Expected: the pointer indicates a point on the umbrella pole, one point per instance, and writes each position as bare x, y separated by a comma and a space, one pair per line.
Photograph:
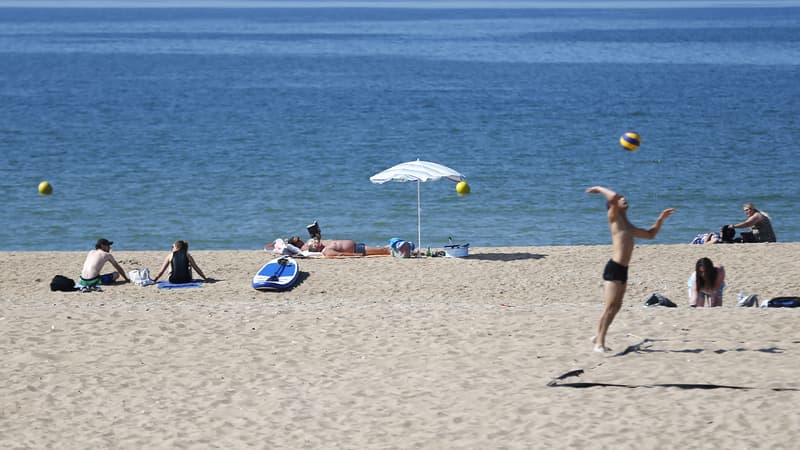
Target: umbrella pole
419, 221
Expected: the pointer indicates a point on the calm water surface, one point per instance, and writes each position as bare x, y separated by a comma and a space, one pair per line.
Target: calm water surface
231, 127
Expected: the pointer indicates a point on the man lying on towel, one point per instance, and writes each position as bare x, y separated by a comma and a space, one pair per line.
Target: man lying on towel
345, 247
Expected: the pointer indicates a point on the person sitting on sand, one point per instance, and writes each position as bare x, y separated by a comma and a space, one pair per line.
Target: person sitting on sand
706, 284
95, 260
759, 223
342, 247
181, 263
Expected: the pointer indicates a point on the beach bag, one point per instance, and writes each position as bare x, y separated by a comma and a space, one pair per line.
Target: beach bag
62, 283
748, 237
782, 302
657, 299
140, 277
728, 234
401, 248
282, 247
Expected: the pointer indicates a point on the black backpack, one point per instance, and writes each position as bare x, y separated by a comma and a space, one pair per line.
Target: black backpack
62, 283
728, 234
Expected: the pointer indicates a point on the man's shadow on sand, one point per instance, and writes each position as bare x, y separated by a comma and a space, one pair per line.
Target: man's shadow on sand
506, 256
643, 347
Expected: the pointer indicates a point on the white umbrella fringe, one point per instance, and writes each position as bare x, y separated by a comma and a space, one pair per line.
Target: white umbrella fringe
419, 172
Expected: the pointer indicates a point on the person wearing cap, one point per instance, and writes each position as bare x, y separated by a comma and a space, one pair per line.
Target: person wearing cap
93, 265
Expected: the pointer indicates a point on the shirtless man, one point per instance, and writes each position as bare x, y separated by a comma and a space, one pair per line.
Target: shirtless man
345, 247
616, 271
95, 260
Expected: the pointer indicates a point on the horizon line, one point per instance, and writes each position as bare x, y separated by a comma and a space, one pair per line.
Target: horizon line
402, 4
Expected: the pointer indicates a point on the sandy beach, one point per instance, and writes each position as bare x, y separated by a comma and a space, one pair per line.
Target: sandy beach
383, 353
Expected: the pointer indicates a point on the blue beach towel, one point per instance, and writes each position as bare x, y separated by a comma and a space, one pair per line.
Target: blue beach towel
701, 238
168, 285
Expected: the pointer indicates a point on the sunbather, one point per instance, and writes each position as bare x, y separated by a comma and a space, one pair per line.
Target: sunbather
711, 237
340, 247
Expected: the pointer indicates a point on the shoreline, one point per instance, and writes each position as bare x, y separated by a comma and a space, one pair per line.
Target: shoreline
382, 352
472, 248
660, 268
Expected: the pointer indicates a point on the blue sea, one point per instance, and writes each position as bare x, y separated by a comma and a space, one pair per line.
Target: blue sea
230, 127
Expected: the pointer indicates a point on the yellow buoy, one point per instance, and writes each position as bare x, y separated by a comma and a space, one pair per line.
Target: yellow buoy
462, 188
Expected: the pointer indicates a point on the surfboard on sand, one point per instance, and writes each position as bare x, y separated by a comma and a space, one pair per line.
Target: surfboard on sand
277, 275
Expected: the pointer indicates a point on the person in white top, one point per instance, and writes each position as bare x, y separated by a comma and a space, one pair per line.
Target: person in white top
95, 260
706, 283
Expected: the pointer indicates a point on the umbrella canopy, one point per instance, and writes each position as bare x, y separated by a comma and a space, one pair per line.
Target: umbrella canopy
419, 172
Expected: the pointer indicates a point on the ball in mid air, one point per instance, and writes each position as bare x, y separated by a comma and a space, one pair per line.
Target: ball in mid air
45, 188
630, 141
462, 188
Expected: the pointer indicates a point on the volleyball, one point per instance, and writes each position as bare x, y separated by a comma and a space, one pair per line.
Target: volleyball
630, 141
462, 188
45, 188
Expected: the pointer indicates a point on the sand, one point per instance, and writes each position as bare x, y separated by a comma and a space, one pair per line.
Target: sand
382, 352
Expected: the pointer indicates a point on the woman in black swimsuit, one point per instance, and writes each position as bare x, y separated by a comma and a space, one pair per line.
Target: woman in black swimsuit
181, 263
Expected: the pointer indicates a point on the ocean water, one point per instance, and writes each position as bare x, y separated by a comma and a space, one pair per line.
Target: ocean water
231, 127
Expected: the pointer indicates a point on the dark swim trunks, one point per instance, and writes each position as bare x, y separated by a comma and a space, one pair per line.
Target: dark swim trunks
105, 279
360, 249
615, 271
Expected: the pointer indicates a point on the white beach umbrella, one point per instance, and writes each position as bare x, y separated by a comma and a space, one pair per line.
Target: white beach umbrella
420, 172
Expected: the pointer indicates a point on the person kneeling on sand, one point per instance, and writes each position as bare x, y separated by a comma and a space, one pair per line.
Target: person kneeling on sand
90, 274
340, 247
706, 284
181, 263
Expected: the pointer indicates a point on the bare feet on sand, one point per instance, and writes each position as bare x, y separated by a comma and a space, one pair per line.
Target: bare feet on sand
599, 348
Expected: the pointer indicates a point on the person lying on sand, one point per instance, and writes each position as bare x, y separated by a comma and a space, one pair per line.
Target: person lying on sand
340, 247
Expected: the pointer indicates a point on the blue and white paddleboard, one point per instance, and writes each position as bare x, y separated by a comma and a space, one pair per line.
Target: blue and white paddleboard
277, 275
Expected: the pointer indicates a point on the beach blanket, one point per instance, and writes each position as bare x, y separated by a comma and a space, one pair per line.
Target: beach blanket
168, 285
701, 238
